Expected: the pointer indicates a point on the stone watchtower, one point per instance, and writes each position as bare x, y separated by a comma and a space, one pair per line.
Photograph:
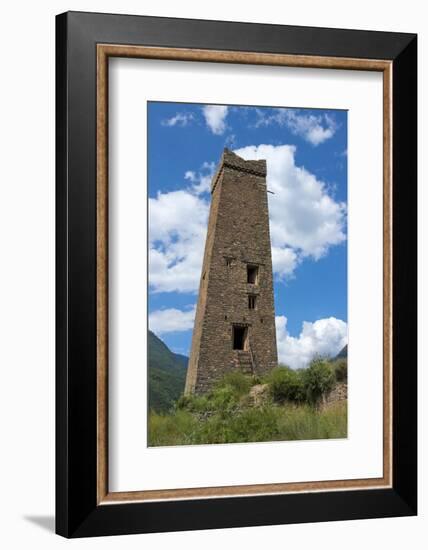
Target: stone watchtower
235, 318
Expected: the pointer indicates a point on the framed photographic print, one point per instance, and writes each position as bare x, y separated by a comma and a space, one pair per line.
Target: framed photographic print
236, 274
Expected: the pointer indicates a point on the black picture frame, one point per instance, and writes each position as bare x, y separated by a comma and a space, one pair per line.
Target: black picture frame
77, 511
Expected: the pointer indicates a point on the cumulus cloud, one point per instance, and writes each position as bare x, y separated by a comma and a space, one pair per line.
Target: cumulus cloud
201, 180
325, 337
177, 230
215, 118
315, 129
163, 321
305, 221
190, 175
284, 261
180, 119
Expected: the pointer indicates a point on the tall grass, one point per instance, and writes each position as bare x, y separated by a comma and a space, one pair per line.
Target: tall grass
226, 415
178, 428
269, 423
305, 422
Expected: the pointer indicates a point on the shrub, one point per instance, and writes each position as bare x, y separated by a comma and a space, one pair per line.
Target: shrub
318, 380
193, 403
244, 426
340, 368
286, 385
223, 399
239, 382
183, 402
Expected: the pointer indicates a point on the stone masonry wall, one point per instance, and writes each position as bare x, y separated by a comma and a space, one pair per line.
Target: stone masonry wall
238, 234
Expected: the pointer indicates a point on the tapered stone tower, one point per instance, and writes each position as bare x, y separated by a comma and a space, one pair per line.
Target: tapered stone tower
235, 317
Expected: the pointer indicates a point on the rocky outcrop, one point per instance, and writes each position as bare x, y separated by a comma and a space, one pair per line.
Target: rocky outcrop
338, 393
258, 395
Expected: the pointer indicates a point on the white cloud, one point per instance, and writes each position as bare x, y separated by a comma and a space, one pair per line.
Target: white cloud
201, 180
190, 175
284, 261
230, 141
215, 118
163, 321
303, 216
180, 119
177, 230
204, 184
325, 337
305, 221
313, 128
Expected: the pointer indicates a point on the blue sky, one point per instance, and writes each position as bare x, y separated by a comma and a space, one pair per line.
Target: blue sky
306, 152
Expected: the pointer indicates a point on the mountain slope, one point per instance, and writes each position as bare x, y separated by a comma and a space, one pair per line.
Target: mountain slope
167, 374
343, 353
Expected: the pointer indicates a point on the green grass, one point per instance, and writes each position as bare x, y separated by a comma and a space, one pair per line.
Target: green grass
269, 423
291, 411
178, 428
305, 422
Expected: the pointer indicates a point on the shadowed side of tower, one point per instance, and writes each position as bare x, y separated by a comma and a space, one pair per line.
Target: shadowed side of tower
235, 317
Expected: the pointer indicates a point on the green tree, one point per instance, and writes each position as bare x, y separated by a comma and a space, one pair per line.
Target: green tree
286, 385
318, 380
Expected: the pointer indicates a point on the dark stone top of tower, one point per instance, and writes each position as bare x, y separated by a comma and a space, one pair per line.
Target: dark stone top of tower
229, 159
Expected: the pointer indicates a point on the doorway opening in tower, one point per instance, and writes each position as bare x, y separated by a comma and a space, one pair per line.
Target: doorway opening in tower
252, 274
239, 337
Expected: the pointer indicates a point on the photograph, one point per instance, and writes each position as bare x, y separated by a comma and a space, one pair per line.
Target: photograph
247, 273
213, 267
